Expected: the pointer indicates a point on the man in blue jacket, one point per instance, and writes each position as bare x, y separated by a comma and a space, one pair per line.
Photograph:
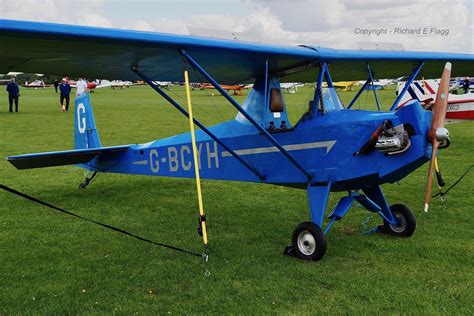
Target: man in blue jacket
65, 90
13, 94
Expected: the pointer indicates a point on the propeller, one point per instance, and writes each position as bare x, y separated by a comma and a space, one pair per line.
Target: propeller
437, 133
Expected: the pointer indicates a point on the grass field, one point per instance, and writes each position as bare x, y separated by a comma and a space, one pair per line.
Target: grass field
54, 264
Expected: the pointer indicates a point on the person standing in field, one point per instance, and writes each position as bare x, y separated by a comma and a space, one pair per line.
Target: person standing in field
56, 85
65, 90
13, 94
465, 85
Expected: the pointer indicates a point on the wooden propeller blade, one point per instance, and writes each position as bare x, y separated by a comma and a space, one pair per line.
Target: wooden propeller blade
439, 116
441, 101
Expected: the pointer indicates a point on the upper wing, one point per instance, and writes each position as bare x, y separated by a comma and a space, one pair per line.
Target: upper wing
110, 53
352, 64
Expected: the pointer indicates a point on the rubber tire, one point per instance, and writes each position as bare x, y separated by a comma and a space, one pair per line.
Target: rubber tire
401, 211
318, 236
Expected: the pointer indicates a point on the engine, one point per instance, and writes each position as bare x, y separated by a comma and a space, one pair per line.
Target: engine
393, 140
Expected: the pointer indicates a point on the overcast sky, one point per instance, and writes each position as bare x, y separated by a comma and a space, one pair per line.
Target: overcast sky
332, 23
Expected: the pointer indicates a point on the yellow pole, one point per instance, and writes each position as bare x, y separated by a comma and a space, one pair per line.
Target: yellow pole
437, 171
195, 157
436, 165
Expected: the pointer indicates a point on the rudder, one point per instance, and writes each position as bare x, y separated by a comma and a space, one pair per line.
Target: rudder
85, 132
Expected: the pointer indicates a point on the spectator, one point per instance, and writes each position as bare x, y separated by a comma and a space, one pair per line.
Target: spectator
65, 90
13, 94
465, 85
56, 85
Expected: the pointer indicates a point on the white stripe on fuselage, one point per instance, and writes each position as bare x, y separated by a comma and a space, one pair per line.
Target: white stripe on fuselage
264, 150
140, 162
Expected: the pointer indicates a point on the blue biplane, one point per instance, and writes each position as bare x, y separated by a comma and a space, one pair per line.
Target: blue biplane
331, 148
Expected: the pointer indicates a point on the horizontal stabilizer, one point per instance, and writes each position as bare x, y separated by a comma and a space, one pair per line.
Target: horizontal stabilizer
61, 158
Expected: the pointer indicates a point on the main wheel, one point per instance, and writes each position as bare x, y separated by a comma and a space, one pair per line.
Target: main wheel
406, 221
308, 241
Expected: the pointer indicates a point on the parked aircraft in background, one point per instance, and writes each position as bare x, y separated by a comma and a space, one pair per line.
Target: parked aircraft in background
164, 84
104, 83
39, 83
291, 87
379, 84
460, 106
236, 88
344, 85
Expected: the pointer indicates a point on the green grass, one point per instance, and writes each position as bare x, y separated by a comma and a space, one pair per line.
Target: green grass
54, 264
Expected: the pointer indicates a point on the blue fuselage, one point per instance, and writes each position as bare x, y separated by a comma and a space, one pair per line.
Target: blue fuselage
324, 145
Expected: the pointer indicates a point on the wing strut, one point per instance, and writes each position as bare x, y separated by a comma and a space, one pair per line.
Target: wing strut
244, 113
371, 76
407, 84
199, 124
265, 92
322, 75
359, 93
318, 91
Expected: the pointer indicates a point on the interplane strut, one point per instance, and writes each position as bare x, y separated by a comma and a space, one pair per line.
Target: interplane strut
198, 123
245, 114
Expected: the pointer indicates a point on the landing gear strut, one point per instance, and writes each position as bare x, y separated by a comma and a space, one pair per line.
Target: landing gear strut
308, 241
87, 180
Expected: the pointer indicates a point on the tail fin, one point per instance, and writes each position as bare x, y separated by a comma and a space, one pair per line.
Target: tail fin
85, 132
86, 141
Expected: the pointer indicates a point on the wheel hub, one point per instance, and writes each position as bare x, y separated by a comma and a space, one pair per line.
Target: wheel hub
306, 243
401, 223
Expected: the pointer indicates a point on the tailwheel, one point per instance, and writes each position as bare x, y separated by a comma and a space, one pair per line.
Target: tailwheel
308, 241
406, 221
87, 180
